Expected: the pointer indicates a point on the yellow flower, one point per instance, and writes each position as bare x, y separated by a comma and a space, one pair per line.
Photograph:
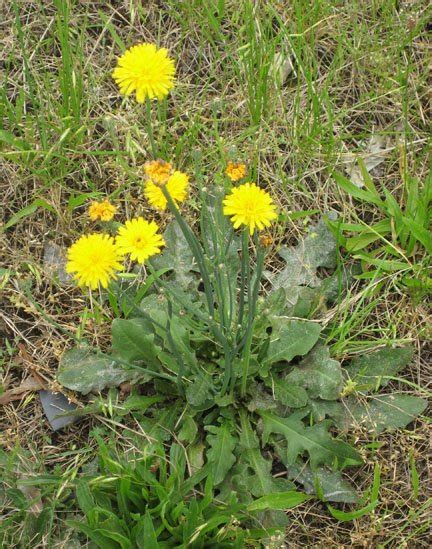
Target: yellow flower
140, 239
250, 206
158, 170
266, 240
101, 210
146, 70
176, 185
94, 259
235, 171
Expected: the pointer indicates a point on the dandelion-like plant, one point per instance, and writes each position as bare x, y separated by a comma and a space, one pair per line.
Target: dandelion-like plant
158, 171
176, 185
251, 206
104, 211
235, 171
140, 239
146, 70
93, 260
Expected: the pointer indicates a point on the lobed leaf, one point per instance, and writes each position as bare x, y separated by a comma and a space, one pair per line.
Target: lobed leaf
220, 454
318, 249
316, 441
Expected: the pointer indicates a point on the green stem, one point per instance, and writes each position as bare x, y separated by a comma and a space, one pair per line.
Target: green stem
146, 370
244, 270
252, 303
150, 129
246, 360
195, 249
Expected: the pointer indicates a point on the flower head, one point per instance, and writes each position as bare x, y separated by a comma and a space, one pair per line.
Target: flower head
266, 240
94, 259
158, 171
250, 206
176, 185
101, 210
235, 171
140, 239
145, 70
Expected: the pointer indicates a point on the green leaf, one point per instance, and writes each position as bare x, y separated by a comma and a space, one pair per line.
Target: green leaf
196, 456
14, 142
220, 455
280, 500
254, 469
291, 338
351, 515
319, 374
330, 484
260, 399
133, 340
383, 412
372, 370
176, 341
83, 370
257, 476
199, 392
177, 256
149, 535
368, 235
161, 426
315, 440
320, 409
287, 393
96, 535
356, 192
84, 497
318, 249
188, 430
386, 265
26, 212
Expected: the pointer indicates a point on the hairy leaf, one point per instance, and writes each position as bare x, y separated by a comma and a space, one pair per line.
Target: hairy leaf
133, 340
199, 392
319, 374
291, 338
383, 412
372, 370
287, 393
260, 399
176, 256
83, 370
330, 484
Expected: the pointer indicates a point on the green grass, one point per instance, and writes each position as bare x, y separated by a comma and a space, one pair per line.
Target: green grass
358, 69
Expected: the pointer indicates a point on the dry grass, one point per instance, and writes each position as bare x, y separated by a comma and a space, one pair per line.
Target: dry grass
359, 69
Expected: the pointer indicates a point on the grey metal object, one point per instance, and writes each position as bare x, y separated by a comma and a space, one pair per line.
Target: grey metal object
54, 404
